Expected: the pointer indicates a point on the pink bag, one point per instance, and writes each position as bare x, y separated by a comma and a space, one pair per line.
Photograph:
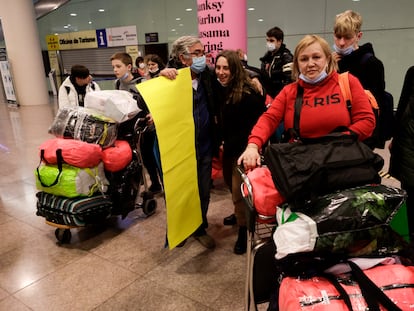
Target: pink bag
74, 152
265, 195
117, 157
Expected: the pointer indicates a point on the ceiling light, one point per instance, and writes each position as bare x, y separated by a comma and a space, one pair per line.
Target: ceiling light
178, 19
101, 10
188, 9
251, 9
173, 29
89, 22
73, 14
260, 20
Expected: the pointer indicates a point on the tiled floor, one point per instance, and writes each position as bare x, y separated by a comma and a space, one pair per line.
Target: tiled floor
121, 265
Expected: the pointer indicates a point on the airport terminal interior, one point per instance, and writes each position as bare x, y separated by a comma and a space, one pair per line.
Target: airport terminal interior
122, 263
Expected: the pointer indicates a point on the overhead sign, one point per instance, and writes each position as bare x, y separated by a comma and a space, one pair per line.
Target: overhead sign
122, 36
89, 39
78, 40
102, 38
151, 37
52, 42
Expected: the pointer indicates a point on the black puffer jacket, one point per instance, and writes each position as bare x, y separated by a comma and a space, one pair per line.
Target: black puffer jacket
274, 75
402, 151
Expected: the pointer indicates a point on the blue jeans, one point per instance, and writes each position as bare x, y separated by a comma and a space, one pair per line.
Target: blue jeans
204, 183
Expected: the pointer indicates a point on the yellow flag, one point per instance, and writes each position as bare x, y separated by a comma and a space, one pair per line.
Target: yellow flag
171, 105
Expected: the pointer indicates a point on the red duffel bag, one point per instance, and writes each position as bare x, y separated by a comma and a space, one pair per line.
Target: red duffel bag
117, 157
74, 152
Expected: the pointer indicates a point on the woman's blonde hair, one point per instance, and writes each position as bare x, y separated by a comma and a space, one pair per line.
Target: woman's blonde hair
304, 43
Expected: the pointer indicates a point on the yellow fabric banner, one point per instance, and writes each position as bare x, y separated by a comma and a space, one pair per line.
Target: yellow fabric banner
171, 105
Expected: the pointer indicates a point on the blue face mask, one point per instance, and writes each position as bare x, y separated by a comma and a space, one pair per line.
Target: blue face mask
319, 78
124, 76
199, 64
344, 51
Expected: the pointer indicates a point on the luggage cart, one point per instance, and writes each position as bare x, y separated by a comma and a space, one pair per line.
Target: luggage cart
261, 274
128, 190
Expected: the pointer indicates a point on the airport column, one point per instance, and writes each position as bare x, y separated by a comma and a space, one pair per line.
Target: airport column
24, 51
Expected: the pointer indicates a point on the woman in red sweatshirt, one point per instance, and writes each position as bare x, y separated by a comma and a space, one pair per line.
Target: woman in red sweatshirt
324, 108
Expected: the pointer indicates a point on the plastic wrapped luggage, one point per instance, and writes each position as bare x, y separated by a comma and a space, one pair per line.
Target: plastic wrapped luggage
118, 105
353, 222
110, 193
84, 124
73, 211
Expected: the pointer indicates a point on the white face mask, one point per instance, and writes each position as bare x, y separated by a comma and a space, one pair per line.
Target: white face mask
154, 70
142, 65
270, 46
344, 51
319, 78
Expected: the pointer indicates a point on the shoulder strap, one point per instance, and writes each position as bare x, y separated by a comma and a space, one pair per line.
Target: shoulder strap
342, 292
371, 292
343, 80
298, 109
59, 158
117, 84
67, 89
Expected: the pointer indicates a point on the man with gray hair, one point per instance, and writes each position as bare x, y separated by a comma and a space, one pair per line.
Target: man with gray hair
188, 51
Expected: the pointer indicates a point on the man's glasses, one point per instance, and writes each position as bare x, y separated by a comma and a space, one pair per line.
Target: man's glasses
196, 53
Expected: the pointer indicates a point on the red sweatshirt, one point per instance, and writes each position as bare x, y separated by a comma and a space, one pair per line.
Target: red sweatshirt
324, 109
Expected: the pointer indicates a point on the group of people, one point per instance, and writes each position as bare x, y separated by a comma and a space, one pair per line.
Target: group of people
234, 112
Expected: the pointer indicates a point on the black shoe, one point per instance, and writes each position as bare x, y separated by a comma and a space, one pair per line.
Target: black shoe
241, 244
182, 243
230, 220
206, 240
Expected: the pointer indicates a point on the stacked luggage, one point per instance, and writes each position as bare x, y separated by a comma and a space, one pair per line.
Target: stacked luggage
338, 251
87, 172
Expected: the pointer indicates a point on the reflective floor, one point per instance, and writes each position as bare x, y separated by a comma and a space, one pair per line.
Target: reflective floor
120, 265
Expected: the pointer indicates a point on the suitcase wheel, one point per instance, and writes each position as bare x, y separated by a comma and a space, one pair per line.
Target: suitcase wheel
63, 235
149, 207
